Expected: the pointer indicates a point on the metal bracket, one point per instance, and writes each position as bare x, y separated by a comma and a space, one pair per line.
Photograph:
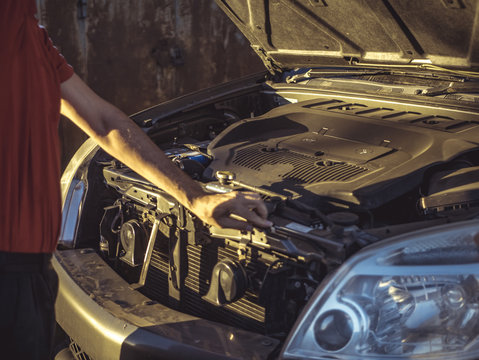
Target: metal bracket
149, 251
268, 62
175, 272
243, 249
177, 255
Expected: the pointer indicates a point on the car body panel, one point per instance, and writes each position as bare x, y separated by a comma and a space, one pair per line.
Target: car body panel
106, 316
288, 34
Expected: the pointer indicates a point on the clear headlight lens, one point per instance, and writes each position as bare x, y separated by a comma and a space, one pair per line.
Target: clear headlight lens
415, 296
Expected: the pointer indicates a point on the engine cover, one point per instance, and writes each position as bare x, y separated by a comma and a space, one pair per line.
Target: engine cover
305, 152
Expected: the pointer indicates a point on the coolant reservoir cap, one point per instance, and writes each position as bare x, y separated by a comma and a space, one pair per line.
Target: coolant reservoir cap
344, 218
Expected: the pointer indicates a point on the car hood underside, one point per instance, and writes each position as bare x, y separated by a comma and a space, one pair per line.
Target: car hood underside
304, 33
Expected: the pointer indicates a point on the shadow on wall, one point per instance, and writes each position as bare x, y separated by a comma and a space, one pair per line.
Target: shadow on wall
137, 54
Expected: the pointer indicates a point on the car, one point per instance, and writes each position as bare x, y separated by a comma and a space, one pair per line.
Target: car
362, 138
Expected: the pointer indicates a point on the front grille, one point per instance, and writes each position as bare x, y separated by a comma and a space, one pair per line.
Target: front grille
248, 312
306, 169
77, 352
201, 260
157, 280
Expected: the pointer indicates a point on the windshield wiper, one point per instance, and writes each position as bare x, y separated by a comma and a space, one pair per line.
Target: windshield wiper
437, 69
452, 88
311, 74
315, 73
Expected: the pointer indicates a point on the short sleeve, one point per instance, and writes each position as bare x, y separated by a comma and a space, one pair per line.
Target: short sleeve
63, 69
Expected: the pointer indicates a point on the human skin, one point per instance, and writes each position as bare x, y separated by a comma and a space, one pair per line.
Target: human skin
118, 135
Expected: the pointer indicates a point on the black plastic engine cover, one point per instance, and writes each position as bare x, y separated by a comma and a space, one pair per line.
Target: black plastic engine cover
304, 151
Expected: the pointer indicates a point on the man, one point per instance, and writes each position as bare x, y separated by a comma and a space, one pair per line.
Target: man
34, 80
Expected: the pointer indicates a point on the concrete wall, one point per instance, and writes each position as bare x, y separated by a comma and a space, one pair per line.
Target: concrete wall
138, 53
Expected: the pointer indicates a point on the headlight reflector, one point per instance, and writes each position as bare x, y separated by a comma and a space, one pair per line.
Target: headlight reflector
415, 296
333, 330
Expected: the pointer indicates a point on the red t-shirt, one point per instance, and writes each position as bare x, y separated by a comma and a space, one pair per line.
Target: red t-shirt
31, 71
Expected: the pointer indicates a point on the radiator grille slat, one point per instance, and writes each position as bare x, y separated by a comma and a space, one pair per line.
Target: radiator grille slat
246, 312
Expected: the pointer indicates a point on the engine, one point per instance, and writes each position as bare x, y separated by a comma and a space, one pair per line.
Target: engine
332, 186
257, 280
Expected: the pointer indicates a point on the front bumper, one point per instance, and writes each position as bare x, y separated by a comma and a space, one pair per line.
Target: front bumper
109, 320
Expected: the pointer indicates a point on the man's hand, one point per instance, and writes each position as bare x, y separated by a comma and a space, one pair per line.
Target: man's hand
124, 140
238, 210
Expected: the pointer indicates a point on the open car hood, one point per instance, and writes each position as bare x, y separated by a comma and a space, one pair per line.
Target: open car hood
304, 33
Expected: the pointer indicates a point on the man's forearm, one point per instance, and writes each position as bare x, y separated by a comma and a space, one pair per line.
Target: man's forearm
124, 140
119, 136
136, 150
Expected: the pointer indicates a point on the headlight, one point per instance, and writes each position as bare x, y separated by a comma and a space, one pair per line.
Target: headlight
415, 296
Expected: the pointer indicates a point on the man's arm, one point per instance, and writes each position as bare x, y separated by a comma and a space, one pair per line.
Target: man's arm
123, 139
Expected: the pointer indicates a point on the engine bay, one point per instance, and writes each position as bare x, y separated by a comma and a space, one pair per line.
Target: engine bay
333, 183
